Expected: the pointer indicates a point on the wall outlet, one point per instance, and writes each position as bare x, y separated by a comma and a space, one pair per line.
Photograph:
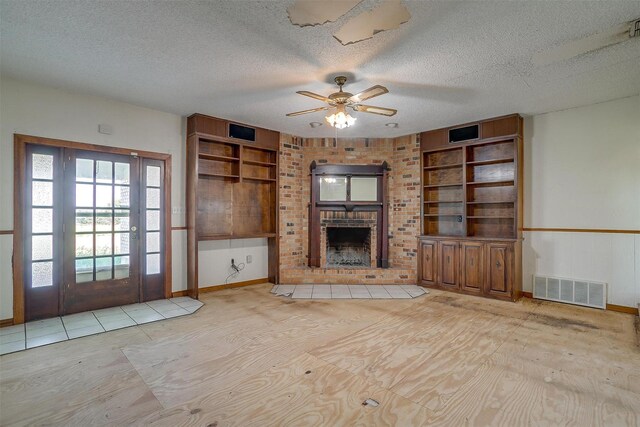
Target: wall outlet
249, 259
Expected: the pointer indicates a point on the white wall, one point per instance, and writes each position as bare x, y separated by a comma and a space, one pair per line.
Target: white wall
582, 170
44, 111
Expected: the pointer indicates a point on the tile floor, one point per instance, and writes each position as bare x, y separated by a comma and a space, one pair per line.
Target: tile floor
48, 331
349, 291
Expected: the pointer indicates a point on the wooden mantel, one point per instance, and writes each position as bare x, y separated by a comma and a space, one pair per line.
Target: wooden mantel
380, 206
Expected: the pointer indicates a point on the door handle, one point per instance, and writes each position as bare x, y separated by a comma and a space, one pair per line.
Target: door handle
134, 234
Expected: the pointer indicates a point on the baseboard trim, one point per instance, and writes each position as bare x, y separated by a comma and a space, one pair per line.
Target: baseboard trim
177, 294
234, 285
622, 309
6, 322
215, 288
610, 307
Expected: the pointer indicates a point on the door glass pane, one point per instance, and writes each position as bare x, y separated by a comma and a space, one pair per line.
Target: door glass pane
41, 186
84, 270
121, 267
41, 247
42, 166
84, 245
104, 198
121, 220
104, 220
104, 172
42, 194
121, 196
84, 220
153, 242
103, 244
42, 220
84, 170
103, 268
153, 220
364, 189
153, 198
333, 189
122, 173
41, 274
84, 195
121, 243
153, 264
153, 176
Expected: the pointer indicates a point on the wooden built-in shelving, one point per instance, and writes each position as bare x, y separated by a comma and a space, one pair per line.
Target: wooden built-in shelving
471, 210
232, 188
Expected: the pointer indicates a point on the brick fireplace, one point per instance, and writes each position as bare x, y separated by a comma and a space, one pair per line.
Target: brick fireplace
403, 207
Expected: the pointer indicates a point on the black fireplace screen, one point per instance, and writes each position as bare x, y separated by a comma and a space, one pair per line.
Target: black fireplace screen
348, 247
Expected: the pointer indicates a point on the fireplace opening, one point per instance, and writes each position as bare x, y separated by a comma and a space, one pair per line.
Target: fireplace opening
348, 247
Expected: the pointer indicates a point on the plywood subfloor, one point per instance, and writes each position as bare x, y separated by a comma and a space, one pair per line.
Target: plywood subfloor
247, 358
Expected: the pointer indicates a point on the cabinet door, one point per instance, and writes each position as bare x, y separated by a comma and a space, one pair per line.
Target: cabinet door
472, 266
499, 269
449, 264
428, 261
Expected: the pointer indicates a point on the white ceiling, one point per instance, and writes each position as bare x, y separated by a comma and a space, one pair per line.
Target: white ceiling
454, 61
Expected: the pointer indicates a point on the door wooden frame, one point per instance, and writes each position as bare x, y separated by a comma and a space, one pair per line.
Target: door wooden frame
19, 181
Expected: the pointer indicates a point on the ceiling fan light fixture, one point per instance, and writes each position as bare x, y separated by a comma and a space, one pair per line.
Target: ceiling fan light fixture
340, 119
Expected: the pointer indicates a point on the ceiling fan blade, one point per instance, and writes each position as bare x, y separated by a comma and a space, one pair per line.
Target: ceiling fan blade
375, 110
376, 90
313, 95
313, 110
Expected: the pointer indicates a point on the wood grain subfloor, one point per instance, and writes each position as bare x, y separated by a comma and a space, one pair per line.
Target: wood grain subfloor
249, 358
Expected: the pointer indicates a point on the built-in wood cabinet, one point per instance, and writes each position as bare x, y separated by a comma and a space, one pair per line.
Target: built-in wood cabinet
484, 268
499, 269
232, 187
449, 264
472, 207
472, 269
428, 266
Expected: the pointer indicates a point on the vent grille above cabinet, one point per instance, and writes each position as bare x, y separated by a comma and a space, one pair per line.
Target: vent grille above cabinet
580, 292
463, 134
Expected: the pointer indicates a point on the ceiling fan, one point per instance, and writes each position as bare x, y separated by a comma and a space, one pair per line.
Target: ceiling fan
341, 100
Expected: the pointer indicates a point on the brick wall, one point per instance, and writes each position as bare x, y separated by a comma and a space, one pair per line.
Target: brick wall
402, 154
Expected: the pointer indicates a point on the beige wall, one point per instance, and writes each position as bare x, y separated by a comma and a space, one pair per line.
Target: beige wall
44, 111
582, 170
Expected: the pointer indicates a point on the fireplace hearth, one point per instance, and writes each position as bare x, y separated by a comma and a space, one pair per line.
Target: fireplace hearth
348, 247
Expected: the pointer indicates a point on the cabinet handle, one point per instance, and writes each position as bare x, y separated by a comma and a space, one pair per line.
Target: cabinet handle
448, 259
427, 258
471, 262
498, 264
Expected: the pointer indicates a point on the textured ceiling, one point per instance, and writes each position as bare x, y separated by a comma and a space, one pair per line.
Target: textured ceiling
454, 61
